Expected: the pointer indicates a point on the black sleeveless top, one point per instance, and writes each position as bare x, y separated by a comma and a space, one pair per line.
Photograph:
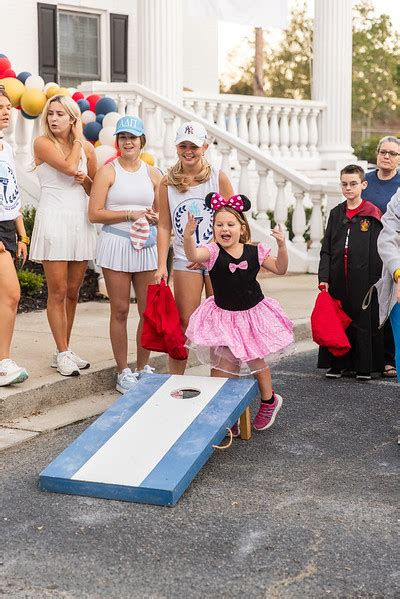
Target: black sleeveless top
238, 290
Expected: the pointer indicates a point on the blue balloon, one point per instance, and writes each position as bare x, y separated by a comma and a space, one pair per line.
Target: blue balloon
83, 105
23, 76
99, 118
28, 116
105, 105
91, 131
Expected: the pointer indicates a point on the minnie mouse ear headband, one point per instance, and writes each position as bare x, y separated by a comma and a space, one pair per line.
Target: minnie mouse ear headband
239, 202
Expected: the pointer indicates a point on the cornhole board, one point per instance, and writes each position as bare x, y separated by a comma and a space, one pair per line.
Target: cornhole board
149, 445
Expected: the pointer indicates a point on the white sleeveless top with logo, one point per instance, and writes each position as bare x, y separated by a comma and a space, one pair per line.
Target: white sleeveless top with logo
10, 202
192, 201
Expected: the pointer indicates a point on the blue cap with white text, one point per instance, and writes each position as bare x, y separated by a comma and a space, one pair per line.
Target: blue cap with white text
129, 124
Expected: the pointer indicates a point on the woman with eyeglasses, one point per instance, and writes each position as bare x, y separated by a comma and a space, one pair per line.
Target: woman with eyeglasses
63, 240
383, 183
13, 244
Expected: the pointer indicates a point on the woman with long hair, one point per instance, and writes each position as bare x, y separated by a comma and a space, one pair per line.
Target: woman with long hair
11, 229
124, 200
63, 240
182, 192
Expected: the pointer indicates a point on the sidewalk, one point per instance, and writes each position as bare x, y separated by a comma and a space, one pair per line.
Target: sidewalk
33, 347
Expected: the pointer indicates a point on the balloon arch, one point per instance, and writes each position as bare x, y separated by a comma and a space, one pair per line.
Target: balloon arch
29, 94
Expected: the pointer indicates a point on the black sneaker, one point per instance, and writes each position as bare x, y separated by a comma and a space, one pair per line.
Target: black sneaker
363, 376
334, 373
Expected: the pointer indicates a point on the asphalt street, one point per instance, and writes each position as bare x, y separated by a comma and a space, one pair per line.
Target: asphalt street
306, 509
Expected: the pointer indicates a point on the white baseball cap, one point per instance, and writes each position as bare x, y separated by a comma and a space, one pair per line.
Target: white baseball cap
191, 131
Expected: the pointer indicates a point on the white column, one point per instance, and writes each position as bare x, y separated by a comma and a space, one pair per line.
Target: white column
332, 79
159, 47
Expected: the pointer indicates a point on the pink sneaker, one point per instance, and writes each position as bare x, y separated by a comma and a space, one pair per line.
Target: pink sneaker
267, 413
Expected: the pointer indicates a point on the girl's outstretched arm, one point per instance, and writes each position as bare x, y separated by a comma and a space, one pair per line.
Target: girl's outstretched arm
277, 264
193, 253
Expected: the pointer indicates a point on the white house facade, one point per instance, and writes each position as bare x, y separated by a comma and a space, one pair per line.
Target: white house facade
145, 53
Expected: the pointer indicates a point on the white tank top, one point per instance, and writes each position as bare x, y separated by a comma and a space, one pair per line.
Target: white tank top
10, 202
192, 201
130, 191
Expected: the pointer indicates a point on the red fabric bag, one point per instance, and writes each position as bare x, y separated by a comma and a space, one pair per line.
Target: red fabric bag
162, 329
329, 323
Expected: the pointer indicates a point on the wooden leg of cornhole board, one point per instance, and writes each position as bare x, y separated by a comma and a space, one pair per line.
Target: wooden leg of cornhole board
245, 425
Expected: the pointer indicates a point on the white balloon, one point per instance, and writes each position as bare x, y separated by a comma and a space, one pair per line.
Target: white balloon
48, 85
88, 116
103, 153
106, 136
110, 119
35, 82
72, 90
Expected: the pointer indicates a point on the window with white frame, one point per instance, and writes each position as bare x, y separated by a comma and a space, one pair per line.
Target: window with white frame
79, 47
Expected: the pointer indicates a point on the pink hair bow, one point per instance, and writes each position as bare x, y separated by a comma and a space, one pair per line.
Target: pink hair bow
235, 202
242, 265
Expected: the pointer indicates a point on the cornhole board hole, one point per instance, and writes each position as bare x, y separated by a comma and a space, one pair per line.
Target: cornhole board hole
150, 444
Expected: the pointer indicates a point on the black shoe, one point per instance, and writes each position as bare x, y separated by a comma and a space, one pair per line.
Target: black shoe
334, 373
363, 376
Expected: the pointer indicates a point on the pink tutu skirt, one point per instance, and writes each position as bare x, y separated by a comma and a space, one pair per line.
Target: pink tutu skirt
240, 342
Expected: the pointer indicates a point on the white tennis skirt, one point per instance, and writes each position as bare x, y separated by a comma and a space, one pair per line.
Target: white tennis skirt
62, 235
115, 251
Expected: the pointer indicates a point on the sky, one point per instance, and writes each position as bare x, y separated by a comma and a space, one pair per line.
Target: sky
229, 33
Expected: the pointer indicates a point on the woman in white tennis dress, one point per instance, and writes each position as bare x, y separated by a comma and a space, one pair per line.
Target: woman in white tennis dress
63, 239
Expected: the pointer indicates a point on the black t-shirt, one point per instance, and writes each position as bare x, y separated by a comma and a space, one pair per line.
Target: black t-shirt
238, 290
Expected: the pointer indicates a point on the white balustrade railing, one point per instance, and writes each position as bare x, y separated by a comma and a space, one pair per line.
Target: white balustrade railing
263, 176
280, 127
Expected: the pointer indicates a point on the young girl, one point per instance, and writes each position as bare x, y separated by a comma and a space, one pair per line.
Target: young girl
182, 192
124, 196
238, 330
63, 239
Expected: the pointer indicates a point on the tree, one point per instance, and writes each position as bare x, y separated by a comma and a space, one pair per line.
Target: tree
288, 66
376, 65
376, 60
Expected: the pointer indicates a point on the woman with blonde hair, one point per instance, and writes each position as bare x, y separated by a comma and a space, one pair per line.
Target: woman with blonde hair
63, 239
182, 192
11, 229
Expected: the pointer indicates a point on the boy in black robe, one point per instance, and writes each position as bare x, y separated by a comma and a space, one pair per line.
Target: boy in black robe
349, 265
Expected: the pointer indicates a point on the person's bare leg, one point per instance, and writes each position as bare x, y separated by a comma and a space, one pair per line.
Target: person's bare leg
188, 287
76, 273
264, 382
9, 298
119, 293
56, 273
141, 280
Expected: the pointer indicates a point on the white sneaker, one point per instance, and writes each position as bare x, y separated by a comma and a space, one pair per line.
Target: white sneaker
11, 373
66, 365
80, 362
146, 370
126, 380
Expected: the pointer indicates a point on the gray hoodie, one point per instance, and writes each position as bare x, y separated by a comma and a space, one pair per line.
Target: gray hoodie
389, 251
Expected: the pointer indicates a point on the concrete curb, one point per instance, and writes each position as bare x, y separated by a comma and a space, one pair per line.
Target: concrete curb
39, 395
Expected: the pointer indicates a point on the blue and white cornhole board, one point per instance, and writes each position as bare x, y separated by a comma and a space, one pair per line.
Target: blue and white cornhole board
148, 446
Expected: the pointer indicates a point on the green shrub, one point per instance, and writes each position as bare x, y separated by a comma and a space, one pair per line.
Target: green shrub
366, 150
31, 282
29, 213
